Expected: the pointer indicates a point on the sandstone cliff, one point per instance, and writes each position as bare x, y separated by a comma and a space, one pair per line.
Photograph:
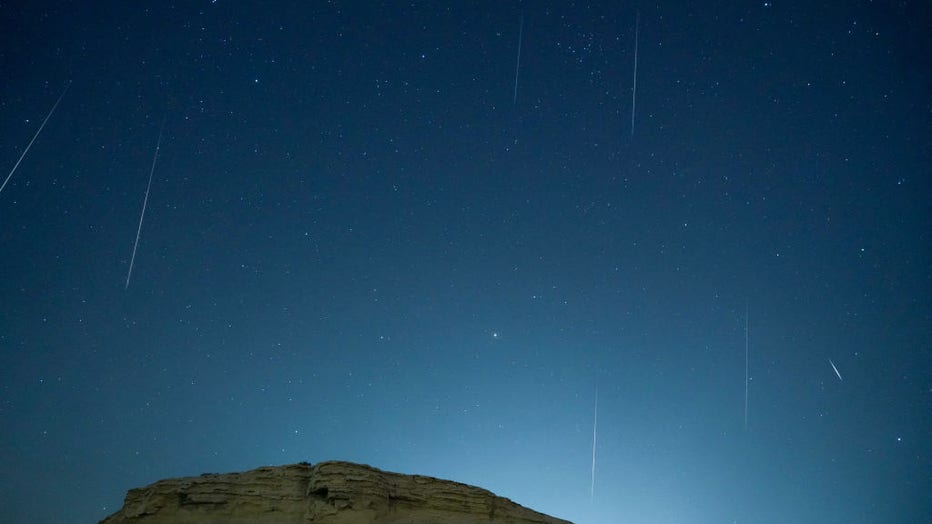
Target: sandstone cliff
326, 493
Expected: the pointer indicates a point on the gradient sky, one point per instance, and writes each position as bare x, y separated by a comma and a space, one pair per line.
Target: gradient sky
359, 245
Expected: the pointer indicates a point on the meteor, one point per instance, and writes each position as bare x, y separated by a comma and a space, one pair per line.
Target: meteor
595, 426
145, 202
518, 59
634, 83
34, 137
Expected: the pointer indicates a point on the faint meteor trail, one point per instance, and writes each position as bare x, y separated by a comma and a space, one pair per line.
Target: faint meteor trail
145, 202
595, 427
634, 85
518, 60
746, 354
836, 370
62, 95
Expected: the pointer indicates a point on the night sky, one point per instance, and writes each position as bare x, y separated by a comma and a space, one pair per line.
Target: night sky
363, 241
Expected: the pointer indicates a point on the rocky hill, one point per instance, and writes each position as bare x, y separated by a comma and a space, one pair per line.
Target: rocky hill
326, 493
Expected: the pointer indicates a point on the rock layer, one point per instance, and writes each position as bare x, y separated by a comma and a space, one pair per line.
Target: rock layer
324, 493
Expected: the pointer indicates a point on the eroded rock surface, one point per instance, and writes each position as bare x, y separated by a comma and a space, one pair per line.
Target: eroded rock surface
324, 493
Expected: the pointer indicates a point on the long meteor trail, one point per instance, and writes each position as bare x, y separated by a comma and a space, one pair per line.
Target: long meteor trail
634, 84
518, 60
746, 361
836, 370
21, 157
145, 202
595, 427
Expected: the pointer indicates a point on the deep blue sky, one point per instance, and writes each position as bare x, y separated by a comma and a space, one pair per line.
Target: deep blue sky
358, 246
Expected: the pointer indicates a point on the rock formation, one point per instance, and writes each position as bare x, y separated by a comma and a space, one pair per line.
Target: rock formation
325, 493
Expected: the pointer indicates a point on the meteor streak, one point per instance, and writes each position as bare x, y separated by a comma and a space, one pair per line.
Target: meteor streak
634, 83
836, 370
747, 317
21, 157
595, 426
145, 202
518, 59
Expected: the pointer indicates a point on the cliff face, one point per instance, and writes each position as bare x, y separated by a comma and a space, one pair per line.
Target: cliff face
324, 493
